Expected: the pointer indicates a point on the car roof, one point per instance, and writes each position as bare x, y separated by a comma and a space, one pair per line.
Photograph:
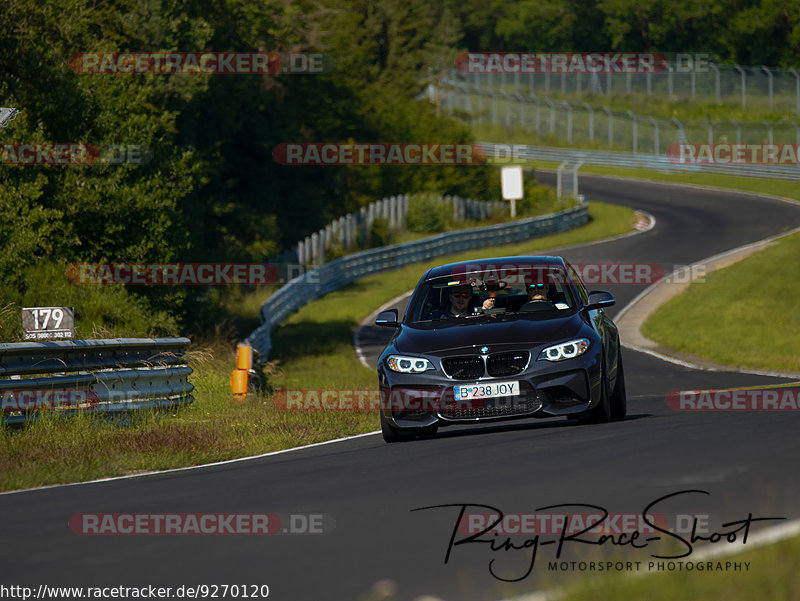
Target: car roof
496, 262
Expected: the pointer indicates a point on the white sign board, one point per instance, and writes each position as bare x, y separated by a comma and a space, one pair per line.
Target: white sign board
511, 180
48, 323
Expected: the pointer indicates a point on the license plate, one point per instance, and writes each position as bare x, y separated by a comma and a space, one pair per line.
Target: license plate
483, 391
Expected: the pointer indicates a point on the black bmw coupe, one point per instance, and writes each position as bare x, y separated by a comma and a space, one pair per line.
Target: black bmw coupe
499, 338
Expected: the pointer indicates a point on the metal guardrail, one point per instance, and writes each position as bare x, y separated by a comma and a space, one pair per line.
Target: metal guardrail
318, 282
122, 374
605, 158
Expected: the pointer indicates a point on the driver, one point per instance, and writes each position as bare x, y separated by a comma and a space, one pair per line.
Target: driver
538, 291
460, 298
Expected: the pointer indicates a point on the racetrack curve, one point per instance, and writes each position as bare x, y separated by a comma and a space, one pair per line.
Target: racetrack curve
745, 460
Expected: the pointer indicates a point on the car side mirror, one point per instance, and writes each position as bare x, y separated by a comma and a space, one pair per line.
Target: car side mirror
388, 319
599, 299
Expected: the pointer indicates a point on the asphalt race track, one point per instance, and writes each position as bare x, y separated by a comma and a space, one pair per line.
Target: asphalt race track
747, 461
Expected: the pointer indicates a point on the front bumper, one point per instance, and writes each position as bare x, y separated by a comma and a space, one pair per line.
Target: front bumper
547, 389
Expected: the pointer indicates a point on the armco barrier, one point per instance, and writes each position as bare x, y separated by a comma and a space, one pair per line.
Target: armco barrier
110, 375
318, 282
640, 160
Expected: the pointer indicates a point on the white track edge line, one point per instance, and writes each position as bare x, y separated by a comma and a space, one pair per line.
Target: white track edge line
175, 470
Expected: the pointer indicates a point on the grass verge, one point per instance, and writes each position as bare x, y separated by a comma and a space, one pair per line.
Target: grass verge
772, 574
741, 315
313, 349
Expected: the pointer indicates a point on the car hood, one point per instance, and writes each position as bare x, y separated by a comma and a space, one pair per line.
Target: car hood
504, 334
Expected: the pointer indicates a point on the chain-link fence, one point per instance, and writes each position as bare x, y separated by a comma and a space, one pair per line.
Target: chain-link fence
588, 125
748, 87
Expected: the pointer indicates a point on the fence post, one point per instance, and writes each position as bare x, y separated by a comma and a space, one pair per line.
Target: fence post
392, 212
744, 85
591, 120
769, 84
610, 125
569, 121
365, 223
769, 131
669, 82
716, 82
796, 90
655, 134
738, 131
635, 136
315, 248
552, 114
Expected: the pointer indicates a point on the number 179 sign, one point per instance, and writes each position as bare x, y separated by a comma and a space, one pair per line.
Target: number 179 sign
48, 323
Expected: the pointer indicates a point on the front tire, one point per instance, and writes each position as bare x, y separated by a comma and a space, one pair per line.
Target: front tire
619, 399
392, 434
602, 413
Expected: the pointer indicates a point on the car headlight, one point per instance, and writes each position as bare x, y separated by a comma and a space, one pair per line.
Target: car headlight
408, 365
565, 350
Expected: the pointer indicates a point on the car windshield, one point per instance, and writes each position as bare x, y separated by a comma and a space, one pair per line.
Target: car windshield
533, 289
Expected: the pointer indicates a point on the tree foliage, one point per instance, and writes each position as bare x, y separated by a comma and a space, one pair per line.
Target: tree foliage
211, 190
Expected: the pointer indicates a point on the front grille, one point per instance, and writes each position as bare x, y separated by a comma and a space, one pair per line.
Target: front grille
469, 367
527, 402
506, 364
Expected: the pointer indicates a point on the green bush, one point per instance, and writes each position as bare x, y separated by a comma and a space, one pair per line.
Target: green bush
428, 214
101, 311
380, 234
538, 200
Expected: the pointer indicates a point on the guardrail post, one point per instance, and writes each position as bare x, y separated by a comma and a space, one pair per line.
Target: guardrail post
769, 130
796, 133
710, 131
